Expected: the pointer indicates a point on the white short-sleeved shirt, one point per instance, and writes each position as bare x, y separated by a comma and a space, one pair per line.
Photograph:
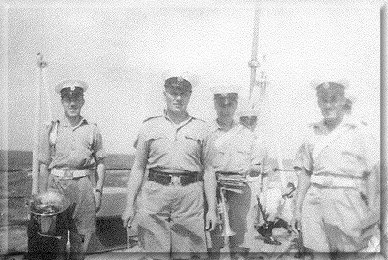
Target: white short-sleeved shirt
235, 150
174, 147
76, 147
350, 150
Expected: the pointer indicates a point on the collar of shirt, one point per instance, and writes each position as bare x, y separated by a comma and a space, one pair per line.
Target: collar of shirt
66, 123
347, 121
181, 124
216, 126
350, 120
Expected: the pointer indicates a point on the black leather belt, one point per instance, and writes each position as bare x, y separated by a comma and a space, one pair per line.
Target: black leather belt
227, 173
233, 180
183, 179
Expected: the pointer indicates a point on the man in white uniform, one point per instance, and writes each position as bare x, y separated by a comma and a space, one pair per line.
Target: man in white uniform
338, 191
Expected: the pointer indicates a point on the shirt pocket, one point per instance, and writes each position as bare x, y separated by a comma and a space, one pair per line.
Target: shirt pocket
159, 143
352, 158
83, 138
242, 156
192, 143
192, 138
242, 149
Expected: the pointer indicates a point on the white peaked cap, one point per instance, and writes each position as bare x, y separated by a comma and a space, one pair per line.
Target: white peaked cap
318, 81
350, 91
71, 83
225, 89
180, 73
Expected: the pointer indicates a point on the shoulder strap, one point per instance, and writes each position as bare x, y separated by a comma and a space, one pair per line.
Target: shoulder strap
196, 118
149, 118
53, 135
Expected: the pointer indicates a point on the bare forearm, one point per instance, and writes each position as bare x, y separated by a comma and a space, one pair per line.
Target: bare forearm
43, 178
134, 183
304, 182
101, 169
210, 185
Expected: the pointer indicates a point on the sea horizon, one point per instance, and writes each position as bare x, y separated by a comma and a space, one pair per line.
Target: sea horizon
20, 160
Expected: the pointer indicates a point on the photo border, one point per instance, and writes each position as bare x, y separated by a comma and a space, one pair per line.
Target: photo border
5, 103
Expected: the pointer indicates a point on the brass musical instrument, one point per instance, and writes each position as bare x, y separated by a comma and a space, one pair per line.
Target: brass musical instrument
224, 216
232, 183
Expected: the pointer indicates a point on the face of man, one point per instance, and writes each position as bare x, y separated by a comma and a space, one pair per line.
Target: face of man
177, 100
225, 104
331, 100
72, 105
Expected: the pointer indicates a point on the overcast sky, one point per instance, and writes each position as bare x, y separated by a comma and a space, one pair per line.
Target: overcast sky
122, 52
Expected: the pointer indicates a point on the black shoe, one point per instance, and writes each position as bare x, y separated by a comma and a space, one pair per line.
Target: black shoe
280, 223
272, 241
266, 229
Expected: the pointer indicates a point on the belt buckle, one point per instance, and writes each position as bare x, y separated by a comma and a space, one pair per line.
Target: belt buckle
175, 180
68, 174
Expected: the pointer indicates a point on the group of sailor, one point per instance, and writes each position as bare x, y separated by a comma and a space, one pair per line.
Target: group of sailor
181, 161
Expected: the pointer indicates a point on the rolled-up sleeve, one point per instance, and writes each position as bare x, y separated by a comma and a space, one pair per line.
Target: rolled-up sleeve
98, 149
44, 155
206, 149
143, 137
303, 157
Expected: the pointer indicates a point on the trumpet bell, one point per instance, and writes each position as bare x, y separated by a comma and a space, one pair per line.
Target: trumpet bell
228, 233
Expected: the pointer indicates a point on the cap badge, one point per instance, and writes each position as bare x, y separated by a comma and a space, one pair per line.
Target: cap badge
179, 79
326, 85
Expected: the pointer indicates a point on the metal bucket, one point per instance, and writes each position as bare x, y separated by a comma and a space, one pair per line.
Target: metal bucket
45, 208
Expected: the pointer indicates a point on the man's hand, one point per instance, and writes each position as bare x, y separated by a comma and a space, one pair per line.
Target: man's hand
97, 198
296, 222
372, 219
211, 220
127, 216
253, 170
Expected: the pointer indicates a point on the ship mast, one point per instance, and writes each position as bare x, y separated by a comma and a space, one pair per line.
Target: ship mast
249, 118
254, 63
42, 111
